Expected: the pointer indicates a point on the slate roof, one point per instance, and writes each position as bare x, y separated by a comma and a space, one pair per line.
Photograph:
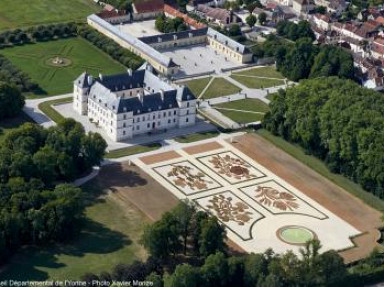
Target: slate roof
160, 96
230, 43
144, 48
170, 36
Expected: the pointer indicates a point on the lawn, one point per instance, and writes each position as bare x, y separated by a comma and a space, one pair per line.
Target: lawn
21, 13
220, 87
257, 83
46, 108
319, 166
36, 61
132, 150
110, 236
268, 72
196, 137
9, 124
253, 105
242, 117
197, 86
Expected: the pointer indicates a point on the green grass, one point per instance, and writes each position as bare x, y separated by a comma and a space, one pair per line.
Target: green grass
319, 166
21, 13
132, 150
220, 87
110, 236
254, 105
257, 83
197, 86
46, 108
268, 72
242, 117
33, 58
196, 137
271, 96
8, 125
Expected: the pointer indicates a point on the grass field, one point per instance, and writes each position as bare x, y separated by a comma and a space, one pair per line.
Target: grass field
257, 83
110, 236
250, 105
253, 105
268, 72
46, 108
242, 117
220, 87
197, 86
21, 13
196, 137
132, 150
34, 60
319, 166
9, 124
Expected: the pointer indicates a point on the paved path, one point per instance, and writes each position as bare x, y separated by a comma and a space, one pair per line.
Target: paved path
237, 110
206, 87
31, 108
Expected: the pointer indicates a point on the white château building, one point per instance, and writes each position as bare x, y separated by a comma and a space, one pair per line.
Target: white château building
133, 103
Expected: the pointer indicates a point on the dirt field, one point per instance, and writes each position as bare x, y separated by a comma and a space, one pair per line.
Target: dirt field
202, 148
151, 159
130, 184
332, 197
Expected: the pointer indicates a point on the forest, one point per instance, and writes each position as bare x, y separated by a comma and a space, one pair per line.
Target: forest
338, 121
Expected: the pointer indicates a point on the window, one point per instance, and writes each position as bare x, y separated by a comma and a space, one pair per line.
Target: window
188, 105
124, 125
148, 125
174, 120
158, 124
138, 128
159, 116
154, 116
138, 120
187, 120
187, 112
174, 112
164, 114
169, 121
124, 133
125, 117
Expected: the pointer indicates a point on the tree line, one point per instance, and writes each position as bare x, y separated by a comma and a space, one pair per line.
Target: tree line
37, 34
110, 47
36, 206
188, 249
301, 59
337, 121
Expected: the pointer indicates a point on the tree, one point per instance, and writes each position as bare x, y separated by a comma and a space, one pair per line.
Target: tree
234, 30
11, 100
184, 276
215, 270
251, 20
262, 18
212, 237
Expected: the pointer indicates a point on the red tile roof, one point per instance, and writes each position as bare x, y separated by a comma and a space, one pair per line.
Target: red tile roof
105, 14
145, 6
176, 13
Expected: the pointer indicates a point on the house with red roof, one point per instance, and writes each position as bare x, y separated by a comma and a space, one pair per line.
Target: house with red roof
147, 9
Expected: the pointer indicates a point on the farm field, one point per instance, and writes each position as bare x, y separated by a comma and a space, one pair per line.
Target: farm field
37, 61
21, 13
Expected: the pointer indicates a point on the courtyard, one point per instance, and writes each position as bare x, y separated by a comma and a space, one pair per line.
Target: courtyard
140, 29
198, 59
258, 208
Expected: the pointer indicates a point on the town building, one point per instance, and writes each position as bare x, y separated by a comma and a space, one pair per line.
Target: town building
148, 9
303, 6
133, 103
219, 16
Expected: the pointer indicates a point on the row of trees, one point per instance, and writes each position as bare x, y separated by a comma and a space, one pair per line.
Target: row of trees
9, 73
11, 101
339, 122
195, 255
38, 33
124, 56
169, 25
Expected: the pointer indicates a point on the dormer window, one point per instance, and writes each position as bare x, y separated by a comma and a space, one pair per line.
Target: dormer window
170, 105
138, 111
159, 107
149, 110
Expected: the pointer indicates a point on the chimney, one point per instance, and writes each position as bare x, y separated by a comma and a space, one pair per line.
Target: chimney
162, 95
140, 95
90, 80
175, 37
129, 72
101, 77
